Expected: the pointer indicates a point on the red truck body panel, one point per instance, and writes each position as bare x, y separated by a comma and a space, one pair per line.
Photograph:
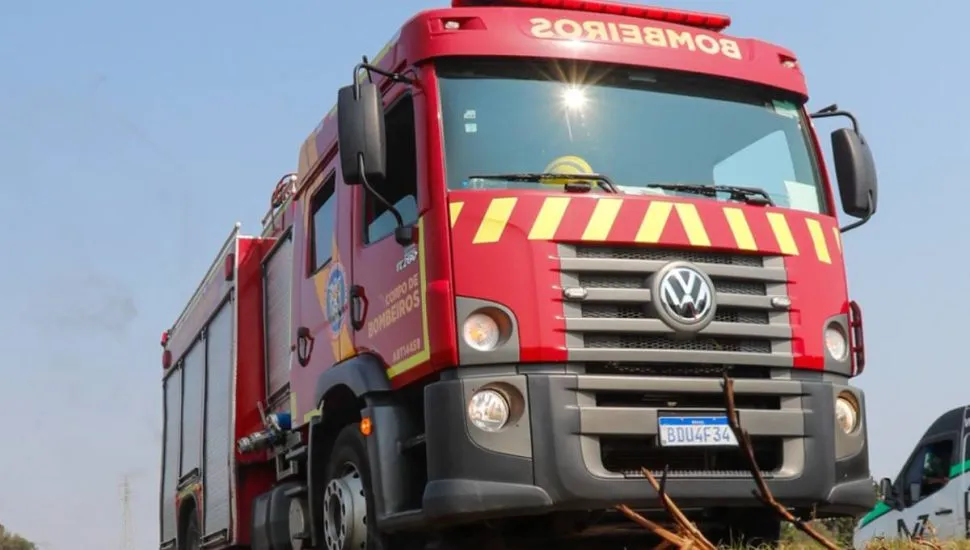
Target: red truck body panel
551, 33
234, 287
494, 235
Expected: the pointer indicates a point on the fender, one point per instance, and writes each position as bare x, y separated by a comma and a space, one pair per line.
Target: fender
364, 374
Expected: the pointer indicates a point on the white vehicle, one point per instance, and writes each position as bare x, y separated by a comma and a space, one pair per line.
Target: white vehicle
929, 497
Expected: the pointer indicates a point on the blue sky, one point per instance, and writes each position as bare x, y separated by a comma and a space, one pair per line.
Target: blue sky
132, 137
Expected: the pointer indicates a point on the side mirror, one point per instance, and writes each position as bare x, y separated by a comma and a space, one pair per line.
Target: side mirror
886, 488
856, 172
360, 133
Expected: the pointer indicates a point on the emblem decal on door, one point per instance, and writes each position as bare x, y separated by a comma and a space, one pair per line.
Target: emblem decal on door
336, 299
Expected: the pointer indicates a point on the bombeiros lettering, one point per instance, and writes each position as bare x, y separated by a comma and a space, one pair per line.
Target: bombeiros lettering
398, 302
626, 33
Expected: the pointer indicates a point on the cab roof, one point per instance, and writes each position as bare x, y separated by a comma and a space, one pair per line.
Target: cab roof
604, 32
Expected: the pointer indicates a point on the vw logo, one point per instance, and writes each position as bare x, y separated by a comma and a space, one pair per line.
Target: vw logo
684, 297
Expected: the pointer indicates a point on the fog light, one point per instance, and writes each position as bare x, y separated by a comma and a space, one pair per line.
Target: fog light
481, 332
488, 410
836, 344
847, 412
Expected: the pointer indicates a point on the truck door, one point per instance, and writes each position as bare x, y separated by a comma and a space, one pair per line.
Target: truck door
931, 501
387, 274
321, 325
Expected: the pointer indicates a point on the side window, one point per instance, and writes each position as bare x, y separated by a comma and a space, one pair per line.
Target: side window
401, 187
323, 205
928, 472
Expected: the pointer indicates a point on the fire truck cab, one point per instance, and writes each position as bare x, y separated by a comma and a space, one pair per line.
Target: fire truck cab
515, 261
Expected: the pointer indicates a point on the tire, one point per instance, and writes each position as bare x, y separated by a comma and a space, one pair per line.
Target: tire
348, 511
192, 536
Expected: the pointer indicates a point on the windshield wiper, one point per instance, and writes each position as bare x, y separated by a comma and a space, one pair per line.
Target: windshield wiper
579, 183
749, 195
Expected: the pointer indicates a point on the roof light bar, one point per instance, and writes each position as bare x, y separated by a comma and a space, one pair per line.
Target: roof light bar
709, 21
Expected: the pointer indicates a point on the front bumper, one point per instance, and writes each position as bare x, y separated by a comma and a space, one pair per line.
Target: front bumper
581, 440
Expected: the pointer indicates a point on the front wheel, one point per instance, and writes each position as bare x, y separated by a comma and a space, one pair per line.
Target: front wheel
348, 510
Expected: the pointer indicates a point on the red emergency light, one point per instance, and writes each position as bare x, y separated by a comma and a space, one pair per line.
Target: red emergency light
709, 21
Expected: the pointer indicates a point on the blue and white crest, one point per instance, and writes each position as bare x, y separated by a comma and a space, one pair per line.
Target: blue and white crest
336, 298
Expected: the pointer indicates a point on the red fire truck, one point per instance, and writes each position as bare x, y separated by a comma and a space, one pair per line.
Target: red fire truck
515, 260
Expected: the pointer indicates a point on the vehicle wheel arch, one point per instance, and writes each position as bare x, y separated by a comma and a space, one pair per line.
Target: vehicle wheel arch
363, 374
341, 396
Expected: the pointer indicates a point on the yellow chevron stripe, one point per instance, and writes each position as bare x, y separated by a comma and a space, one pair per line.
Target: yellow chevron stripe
818, 238
693, 226
740, 228
602, 219
549, 218
654, 222
782, 233
837, 235
455, 208
495, 220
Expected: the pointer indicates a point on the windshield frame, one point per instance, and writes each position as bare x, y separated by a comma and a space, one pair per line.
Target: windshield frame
677, 82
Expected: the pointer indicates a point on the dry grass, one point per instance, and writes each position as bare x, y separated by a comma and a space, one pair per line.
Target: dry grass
901, 545
887, 545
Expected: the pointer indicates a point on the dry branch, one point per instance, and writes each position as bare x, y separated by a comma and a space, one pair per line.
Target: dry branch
674, 511
762, 493
687, 535
653, 527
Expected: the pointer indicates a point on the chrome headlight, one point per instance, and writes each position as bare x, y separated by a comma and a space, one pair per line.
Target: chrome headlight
836, 342
481, 332
489, 410
847, 412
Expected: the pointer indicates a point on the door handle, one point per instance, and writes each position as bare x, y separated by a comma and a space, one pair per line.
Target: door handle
944, 511
304, 346
359, 304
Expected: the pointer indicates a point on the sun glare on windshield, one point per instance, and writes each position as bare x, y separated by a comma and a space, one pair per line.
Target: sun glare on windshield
573, 98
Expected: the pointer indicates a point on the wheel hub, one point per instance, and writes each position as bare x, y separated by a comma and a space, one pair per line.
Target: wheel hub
345, 512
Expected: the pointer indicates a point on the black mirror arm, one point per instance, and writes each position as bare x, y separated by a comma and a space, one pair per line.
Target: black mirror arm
862, 221
403, 233
834, 111
365, 66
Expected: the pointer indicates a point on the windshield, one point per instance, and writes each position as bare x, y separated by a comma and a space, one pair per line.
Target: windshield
638, 127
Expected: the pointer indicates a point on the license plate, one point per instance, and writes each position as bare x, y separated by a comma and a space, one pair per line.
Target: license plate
696, 431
